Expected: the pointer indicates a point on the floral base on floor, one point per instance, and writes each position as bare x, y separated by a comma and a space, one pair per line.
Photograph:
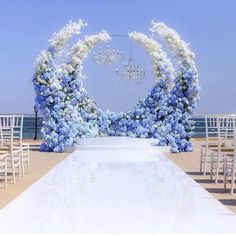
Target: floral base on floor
69, 113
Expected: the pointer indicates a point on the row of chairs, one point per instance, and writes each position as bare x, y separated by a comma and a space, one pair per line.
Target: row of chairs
14, 153
218, 153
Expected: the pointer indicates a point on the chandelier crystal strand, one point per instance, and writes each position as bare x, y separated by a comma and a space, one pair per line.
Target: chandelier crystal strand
107, 56
132, 72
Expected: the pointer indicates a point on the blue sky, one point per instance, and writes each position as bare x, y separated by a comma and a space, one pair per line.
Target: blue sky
210, 26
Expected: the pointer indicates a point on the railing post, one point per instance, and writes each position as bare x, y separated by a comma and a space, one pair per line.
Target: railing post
36, 122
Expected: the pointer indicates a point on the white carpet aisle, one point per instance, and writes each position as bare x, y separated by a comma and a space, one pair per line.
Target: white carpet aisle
116, 185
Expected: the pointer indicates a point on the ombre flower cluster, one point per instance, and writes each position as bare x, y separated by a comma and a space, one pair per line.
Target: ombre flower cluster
60, 95
69, 113
185, 94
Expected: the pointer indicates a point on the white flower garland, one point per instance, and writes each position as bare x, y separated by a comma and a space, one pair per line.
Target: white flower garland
185, 94
60, 38
81, 49
162, 66
174, 42
58, 89
164, 74
184, 56
57, 43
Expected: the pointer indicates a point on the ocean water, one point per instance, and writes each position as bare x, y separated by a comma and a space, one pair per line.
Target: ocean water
199, 131
29, 127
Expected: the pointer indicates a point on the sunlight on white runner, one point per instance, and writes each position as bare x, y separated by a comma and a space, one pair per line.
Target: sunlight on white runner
117, 185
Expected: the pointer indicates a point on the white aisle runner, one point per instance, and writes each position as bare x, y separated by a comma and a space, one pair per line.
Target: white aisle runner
116, 185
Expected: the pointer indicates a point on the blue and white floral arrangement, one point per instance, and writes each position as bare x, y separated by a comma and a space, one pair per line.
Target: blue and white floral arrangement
69, 113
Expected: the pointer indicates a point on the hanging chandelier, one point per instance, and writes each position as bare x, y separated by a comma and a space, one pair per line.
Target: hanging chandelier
129, 71
107, 56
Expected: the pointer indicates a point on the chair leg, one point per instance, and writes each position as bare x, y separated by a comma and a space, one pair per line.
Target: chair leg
217, 171
28, 166
5, 181
217, 176
232, 183
19, 170
13, 172
225, 181
22, 168
205, 167
201, 163
211, 169
28, 161
22, 163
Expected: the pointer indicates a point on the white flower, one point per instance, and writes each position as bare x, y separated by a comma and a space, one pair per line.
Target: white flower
70, 68
158, 56
179, 47
56, 83
81, 49
60, 39
43, 57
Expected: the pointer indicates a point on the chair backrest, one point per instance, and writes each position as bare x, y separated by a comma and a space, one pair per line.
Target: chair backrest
11, 129
6, 126
231, 127
211, 127
234, 142
5, 121
226, 127
18, 127
219, 130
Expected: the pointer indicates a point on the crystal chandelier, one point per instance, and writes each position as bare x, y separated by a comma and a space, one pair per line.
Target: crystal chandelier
130, 71
107, 56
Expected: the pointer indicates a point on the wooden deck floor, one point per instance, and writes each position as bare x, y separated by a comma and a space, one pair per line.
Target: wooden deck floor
190, 162
41, 163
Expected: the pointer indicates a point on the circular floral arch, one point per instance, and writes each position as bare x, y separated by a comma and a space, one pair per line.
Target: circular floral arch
69, 113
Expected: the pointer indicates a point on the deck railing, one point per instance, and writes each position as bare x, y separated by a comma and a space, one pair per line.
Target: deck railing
29, 126
199, 131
